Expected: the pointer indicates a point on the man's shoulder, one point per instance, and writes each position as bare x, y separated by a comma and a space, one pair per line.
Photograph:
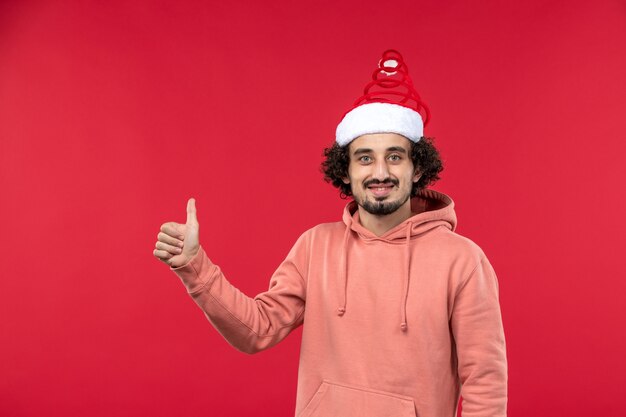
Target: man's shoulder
323, 231
319, 236
326, 229
461, 244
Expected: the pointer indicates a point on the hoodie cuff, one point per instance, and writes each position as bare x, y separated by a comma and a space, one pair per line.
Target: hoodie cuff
197, 273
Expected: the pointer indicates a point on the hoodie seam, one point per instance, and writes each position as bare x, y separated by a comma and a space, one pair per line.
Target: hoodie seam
466, 280
373, 241
306, 263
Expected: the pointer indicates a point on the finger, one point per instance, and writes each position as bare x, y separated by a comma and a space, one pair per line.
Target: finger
191, 212
165, 238
168, 248
161, 254
172, 229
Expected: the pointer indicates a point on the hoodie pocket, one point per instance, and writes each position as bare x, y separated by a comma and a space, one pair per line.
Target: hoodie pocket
339, 400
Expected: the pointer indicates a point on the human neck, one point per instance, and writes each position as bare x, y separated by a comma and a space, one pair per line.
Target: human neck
381, 224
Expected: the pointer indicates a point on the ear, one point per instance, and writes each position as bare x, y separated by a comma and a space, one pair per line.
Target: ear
346, 180
417, 175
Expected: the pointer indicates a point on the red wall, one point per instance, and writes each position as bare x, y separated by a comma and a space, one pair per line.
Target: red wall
112, 116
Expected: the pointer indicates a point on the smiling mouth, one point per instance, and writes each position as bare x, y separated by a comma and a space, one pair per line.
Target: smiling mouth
380, 190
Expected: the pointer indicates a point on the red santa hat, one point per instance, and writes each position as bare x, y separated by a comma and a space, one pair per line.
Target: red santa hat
389, 104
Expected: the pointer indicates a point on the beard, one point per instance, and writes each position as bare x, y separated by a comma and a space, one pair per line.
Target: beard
379, 206
382, 207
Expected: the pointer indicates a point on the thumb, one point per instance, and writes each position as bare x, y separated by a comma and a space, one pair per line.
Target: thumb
192, 219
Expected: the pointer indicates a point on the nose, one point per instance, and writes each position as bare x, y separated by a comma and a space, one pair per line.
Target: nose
381, 171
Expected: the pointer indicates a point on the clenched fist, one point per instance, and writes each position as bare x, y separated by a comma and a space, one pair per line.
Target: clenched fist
178, 243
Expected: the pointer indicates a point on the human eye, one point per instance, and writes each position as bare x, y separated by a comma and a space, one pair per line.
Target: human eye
395, 157
365, 159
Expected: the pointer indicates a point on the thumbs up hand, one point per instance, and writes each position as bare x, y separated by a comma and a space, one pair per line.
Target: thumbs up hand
178, 243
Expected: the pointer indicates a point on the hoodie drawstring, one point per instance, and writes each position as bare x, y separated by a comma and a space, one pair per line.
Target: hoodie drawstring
344, 272
434, 209
407, 275
407, 263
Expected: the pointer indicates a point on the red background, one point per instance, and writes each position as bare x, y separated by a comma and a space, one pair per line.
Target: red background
112, 116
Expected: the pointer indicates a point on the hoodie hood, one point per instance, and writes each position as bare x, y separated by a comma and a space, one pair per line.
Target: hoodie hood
431, 209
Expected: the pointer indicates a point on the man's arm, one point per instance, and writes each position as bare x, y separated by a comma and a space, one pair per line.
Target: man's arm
480, 344
249, 324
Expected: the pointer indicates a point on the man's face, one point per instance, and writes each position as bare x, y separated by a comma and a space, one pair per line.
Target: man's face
381, 172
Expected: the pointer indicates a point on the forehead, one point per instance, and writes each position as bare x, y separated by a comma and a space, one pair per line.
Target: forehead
379, 142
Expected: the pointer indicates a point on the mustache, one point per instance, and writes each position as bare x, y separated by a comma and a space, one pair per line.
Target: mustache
385, 181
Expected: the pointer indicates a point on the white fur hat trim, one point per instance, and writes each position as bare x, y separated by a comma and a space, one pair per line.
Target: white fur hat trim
380, 118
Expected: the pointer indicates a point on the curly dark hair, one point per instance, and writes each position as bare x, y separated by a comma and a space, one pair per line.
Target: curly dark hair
423, 153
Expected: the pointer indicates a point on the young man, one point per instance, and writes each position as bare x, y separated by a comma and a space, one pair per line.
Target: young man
402, 314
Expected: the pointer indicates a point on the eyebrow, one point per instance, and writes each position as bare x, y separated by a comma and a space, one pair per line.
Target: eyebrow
396, 149
360, 151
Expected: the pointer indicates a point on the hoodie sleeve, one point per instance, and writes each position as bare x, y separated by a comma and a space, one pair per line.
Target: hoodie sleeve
249, 324
480, 344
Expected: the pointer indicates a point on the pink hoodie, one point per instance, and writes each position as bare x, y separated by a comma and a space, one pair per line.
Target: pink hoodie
397, 325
